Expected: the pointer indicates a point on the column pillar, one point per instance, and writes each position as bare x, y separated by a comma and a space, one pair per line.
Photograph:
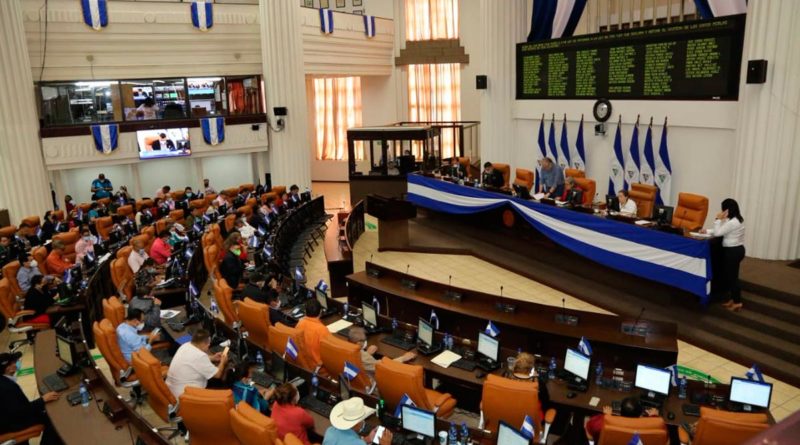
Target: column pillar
503, 25
284, 81
24, 188
766, 178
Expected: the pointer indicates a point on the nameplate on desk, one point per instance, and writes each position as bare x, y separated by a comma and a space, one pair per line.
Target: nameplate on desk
409, 283
569, 320
453, 295
505, 307
640, 329
374, 273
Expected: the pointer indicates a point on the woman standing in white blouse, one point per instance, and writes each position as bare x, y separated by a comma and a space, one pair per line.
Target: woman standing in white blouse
729, 224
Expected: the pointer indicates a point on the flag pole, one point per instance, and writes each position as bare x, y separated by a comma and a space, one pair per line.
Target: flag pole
651, 121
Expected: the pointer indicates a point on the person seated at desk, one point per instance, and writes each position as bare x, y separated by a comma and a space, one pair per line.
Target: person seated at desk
177, 234
244, 228
17, 413
631, 407
7, 251
491, 177
55, 262
101, 187
149, 305
26, 237
288, 416
128, 335
38, 299
49, 225
192, 366
347, 418
262, 218
85, 245
313, 329
138, 256
232, 267
28, 269
525, 369
244, 389
160, 250
552, 179
163, 144
358, 335
627, 206
147, 275
572, 193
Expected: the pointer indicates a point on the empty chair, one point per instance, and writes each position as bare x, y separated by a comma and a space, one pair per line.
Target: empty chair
224, 295
589, 187
13, 314
510, 401
206, 414
523, 177
717, 427
691, 211
248, 187
574, 173
33, 221
124, 252
39, 254
103, 226
8, 231
620, 430
334, 352
255, 320
505, 169
278, 189
644, 195
251, 427
10, 271
279, 335
245, 210
395, 379
151, 378
114, 311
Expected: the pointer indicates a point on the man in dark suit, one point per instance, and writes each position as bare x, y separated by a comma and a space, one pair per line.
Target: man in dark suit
258, 291
491, 177
17, 412
163, 143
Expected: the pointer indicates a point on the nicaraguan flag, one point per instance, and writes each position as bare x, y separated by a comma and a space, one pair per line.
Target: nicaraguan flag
405, 400
551, 141
267, 251
106, 137
434, 320
369, 25
541, 155
326, 21
322, 285
563, 158
95, 13
58, 226
708, 9
527, 429
376, 304
207, 217
636, 440
253, 242
261, 231
491, 329
577, 154
646, 172
673, 370
350, 370
80, 214
89, 257
196, 227
39, 232
291, 349
298, 274
193, 290
202, 15
213, 130
555, 18
754, 373
616, 178
584, 346
67, 277
632, 161
663, 171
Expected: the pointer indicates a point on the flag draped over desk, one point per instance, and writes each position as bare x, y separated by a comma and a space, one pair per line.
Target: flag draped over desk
616, 178
646, 172
95, 13
202, 14
663, 171
632, 161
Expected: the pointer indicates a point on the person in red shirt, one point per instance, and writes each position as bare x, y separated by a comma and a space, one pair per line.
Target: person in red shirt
288, 417
55, 263
160, 250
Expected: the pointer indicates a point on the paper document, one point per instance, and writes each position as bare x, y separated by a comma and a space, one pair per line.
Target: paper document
642, 222
538, 196
168, 313
700, 235
446, 358
339, 325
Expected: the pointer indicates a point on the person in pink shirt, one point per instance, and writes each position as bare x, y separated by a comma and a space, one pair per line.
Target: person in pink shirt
84, 245
160, 250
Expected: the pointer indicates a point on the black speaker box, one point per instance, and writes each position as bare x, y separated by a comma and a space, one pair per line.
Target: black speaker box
481, 82
267, 181
756, 71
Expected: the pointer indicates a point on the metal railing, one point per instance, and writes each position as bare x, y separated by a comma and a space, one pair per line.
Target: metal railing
464, 136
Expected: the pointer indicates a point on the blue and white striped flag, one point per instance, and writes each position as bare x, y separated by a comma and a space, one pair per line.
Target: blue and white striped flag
648, 161
80, 214
213, 130
326, 21
298, 274
58, 226
563, 156
708, 9
584, 346
434, 320
663, 171
376, 304
106, 137
540, 155
89, 256
322, 285
577, 155
67, 277
350, 370
616, 178
555, 18
261, 231
253, 242
673, 370
527, 429
95, 13
39, 232
754, 373
491, 329
405, 400
197, 228
291, 349
636, 440
202, 14
267, 251
369, 25
632, 161
551, 141
207, 217
193, 290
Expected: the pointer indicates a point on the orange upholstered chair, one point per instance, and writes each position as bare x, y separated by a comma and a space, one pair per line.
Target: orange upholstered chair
103, 226
224, 295
230, 220
105, 201
279, 189
717, 427
524, 177
105, 337
144, 203
279, 335
245, 210
146, 240
211, 260
620, 430
177, 216
574, 173
22, 436
10, 274
206, 414
151, 377
251, 427
8, 231
124, 252
589, 187
691, 211
39, 253
644, 195
198, 204
334, 352
126, 211
395, 379
463, 164
33, 221
69, 239
161, 225
231, 192
265, 197
505, 169
178, 195
249, 187
510, 401
113, 311
255, 319
122, 277
13, 313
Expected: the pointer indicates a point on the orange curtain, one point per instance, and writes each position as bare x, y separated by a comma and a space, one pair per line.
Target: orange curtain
434, 95
337, 105
432, 19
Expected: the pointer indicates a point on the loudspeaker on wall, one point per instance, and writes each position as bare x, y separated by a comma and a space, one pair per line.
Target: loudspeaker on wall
481, 82
756, 71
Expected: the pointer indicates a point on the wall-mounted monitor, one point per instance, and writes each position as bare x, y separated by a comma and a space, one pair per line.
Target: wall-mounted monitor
163, 143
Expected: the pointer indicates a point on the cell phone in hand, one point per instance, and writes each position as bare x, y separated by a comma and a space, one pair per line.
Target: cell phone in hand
378, 435
225, 351
156, 331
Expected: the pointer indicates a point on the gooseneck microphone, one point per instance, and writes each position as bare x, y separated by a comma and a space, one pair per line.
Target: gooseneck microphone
407, 267
639, 317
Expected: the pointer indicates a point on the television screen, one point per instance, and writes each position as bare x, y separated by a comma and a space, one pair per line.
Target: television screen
163, 143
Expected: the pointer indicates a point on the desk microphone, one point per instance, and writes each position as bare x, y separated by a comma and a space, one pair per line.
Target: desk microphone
370, 257
639, 317
564, 308
501, 290
407, 267
450, 281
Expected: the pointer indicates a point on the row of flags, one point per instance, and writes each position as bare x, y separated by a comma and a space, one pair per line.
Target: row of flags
641, 166
562, 154
106, 136
326, 23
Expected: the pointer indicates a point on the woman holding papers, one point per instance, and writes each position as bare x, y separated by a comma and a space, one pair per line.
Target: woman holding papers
729, 224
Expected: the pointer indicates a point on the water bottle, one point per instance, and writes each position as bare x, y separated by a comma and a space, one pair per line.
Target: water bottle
394, 324
599, 373
260, 360
344, 310
551, 372
446, 341
214, 307
453, 436
84, 396
682, 388
314, 384
465, 440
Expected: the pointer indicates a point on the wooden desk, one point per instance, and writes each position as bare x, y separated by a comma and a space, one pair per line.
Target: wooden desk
531, 327
338, 256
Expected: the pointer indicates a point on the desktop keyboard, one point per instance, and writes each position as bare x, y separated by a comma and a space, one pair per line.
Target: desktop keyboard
316, 405
175, 325
690, 409
262, 379
55, 383
466, 365
399, 343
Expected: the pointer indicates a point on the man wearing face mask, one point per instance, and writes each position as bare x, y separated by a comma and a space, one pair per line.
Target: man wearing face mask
129, 337
17, 412
358, 335
85, 245
29, 268
232, 267
150, 306
137, 257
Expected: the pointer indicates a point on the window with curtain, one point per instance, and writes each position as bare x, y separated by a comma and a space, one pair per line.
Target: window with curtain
337, 107
434, 91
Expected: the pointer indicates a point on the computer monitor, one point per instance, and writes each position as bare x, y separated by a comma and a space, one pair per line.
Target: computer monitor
663, 214
522, 191
508, 435
419, 421
653, 379
278, 367
612, 203
370, 317
488, 346
577, 363
750, 393
425, 332
323, 299
66, 349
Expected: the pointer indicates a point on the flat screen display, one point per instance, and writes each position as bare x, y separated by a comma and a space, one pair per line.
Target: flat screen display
64, 350
748, 392
488, 346
508, 435
370, 317
577, 363
425, 332
163, 143
653, 379
419, 421
323, 299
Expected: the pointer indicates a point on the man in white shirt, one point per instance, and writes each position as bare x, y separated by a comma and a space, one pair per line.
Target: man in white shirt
627, 206
137, 256
192, 366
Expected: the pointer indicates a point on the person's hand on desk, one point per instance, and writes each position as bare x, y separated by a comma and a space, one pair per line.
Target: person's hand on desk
651, 412
51, 396
407, 357
372, 349
608, 410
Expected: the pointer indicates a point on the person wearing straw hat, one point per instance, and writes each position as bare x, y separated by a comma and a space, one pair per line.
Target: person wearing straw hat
347, 418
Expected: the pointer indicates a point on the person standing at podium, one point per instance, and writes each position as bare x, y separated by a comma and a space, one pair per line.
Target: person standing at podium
552, 183
729, 224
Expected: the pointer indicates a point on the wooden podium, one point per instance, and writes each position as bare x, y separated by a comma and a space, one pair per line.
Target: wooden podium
393, 215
